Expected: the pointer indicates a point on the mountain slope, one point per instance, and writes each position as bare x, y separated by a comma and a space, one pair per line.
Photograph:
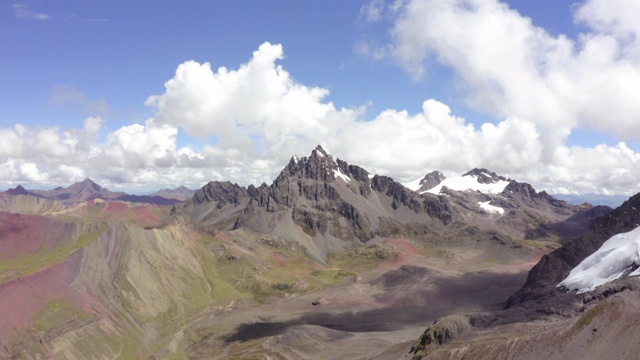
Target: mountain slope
544, 318
99, 282
554, 267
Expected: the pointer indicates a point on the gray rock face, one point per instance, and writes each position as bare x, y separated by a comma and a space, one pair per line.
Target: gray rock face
434, 206
430, 181
525, 195
221, 192
485, 176
322, 202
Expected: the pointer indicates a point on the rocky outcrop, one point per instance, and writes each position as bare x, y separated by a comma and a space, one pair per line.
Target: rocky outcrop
447, 329
485, 176
554, 267
222, 193
524, 193
434, 206
430, 181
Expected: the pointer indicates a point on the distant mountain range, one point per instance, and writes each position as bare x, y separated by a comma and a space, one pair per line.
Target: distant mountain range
88, 190
180, 193
594, 199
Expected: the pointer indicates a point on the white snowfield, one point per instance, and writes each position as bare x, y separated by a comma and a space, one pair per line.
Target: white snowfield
413, 185
461, 183
490, 208
614, 259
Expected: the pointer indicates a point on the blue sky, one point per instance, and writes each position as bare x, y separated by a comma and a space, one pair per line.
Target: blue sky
68, 61
123, 52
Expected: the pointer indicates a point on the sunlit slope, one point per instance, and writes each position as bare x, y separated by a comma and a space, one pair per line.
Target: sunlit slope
125, 288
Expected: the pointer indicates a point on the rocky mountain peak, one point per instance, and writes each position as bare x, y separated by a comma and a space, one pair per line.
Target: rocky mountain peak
525, 192
320, 151
87, 184
431, 180
18, 190
485, 176
320, 165
222, 192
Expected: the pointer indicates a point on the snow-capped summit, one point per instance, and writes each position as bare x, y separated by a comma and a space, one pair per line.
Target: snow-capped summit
480, 180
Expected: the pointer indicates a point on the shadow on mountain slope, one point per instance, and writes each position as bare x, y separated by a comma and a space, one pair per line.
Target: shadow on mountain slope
405, 306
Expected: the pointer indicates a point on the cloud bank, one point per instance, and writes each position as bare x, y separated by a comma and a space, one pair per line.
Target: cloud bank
256, 116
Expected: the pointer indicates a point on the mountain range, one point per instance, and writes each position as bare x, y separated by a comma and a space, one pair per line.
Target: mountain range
88, 190
328, 261
328, 205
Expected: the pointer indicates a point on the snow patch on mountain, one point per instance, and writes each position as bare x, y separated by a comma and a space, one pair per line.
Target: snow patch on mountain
339, 174
413, 185
469, 182
615, 258
490, 208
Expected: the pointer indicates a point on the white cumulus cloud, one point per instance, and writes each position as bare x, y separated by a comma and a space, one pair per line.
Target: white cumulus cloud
260, 116
510, 67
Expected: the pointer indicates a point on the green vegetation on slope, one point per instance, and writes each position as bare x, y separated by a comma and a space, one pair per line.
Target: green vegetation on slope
28, 264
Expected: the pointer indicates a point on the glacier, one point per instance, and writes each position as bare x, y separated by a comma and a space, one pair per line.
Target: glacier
615, 258
466, 183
